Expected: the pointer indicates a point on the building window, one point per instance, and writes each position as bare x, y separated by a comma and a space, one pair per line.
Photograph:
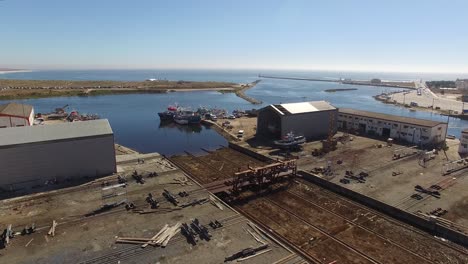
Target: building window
405, 126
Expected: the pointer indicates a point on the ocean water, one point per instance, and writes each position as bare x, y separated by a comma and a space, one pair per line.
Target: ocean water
136, 124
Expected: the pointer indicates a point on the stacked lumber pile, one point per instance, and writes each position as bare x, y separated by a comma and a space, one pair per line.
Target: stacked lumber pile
160, 239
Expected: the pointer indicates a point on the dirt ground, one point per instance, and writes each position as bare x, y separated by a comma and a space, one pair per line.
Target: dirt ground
331, 228
91, 239
363, 154
248, 124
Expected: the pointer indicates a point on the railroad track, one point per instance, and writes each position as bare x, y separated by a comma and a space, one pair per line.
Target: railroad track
136, 250
302, 198
324, 232
289, 243
389, 219
188, 170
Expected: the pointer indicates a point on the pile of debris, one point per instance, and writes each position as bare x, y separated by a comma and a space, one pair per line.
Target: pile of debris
194, 229
433, 190
349, 175
438, 212
250, 252
9, 233
322, 171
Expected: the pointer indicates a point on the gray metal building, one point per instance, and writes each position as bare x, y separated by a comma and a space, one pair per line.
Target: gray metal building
30, 156
314, 120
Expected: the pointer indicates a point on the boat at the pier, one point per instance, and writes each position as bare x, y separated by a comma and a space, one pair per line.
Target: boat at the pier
166, 115
290, 141
187, 118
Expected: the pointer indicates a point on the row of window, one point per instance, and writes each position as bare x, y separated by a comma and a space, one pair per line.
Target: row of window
385, 123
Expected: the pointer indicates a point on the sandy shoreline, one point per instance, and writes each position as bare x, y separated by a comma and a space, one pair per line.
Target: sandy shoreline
427, 101
15, 71
11, 89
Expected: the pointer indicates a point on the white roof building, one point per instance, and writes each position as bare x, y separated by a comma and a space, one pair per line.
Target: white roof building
314, 120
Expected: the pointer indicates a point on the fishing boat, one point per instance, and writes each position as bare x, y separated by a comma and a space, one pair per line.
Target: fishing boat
290, 141
187, 118
169, 114
166, 115
181, 119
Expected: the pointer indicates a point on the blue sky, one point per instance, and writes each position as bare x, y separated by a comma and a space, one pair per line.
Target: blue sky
410, 35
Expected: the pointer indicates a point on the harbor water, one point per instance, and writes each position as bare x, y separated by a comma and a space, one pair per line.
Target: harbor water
136, 124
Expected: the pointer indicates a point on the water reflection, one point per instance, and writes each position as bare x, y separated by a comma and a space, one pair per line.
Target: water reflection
168, 124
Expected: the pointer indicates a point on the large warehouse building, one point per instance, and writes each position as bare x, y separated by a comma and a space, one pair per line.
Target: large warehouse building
314, 120
30, 156
13, 115
412, 130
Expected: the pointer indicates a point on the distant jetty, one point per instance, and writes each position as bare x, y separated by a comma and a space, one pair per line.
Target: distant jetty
297, 78
340, 90
373, 82
241, 94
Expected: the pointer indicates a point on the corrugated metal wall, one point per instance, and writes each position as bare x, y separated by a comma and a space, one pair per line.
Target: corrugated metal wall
33, 164
314, 125
267, 119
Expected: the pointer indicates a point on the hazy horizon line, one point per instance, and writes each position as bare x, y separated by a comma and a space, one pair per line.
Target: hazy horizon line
259, 69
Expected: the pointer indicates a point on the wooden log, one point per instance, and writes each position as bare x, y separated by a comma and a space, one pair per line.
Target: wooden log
27, 244
52, 228
216, 203
156, 236
257, 230
165, 235
174, 231
255, 237
134, 238
7, 238
133, 242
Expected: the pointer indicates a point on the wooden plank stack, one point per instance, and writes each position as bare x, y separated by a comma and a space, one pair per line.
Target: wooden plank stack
160, 239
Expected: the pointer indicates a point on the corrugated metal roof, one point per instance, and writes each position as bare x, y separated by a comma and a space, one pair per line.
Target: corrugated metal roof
302, 107
43, 133
394, 118
16, 109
